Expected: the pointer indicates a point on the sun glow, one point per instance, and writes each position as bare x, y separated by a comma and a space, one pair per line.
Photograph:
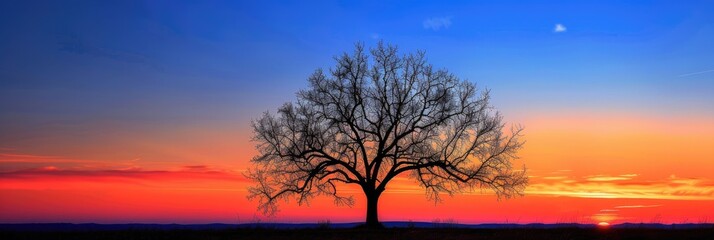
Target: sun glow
603, 224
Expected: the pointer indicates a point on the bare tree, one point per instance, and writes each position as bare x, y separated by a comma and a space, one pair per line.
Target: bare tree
367, 121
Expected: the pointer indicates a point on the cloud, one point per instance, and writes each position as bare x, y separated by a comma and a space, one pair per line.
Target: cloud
19, 161
614, 187
696, 73
559, 28
605, 178
183, 173
555, 177
28, 158
639, 206
28, 167
196, 167
604, 217
437, 23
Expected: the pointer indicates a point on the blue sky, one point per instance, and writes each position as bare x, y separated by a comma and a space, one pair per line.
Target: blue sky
139, 63
133, 105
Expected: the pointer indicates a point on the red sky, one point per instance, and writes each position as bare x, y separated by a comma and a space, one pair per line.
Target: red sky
139, 111
583, 168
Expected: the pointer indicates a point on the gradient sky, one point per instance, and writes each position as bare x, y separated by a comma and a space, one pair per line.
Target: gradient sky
139, 111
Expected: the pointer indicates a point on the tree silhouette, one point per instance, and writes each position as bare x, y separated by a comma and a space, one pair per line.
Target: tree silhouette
368, 120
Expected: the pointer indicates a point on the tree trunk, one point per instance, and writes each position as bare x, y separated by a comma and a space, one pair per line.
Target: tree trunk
372, 214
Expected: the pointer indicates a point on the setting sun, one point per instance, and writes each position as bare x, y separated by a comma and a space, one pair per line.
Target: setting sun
499, 112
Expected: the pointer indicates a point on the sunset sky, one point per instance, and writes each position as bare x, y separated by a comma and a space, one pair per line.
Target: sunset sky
139, 111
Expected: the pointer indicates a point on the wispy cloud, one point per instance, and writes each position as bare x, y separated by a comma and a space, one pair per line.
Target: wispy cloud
614, 187
437, 23
605, 178
185, 172
559, 28
604, 217
696, 73
28, 158
19, 161
639, 206
23, 167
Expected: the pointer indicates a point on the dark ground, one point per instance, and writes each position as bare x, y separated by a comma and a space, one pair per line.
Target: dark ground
354, 233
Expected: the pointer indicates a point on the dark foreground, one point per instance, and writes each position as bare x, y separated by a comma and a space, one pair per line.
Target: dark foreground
356, 233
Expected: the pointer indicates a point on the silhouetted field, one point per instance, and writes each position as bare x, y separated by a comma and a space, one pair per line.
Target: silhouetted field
356, 233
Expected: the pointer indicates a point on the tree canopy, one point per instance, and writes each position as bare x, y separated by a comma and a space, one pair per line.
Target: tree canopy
377, 115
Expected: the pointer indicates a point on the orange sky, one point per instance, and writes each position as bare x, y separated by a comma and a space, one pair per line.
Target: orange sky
139, 111
586, 168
